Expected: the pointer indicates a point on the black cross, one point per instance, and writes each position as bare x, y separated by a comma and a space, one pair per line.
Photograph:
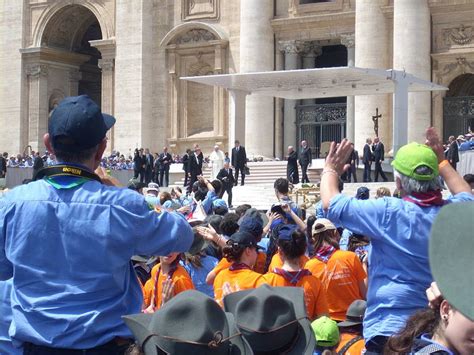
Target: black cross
376, 121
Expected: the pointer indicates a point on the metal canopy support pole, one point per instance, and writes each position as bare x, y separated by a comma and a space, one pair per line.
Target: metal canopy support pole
400, 110
237, 117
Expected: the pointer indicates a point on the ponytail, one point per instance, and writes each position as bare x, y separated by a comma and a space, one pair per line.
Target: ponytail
295, 247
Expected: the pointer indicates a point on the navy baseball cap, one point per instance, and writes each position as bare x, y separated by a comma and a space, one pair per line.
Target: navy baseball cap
77, 124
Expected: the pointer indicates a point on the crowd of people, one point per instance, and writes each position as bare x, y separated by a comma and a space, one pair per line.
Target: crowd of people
89, 267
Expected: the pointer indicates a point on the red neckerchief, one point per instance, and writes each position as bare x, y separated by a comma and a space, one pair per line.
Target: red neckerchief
426, 199
239, 266
324, 253
292, 276
173, 268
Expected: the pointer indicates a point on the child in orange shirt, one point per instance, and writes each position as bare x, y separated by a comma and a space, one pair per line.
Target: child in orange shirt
340, 272
241, 250
168, 278
291, 247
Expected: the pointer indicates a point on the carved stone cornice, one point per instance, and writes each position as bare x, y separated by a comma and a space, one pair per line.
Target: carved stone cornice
461, 64
348, 40
37, 70
195, 36
461, 35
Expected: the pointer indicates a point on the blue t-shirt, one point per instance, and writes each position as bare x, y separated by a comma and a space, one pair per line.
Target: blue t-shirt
208, 202
72, 275
198, 275
399, 271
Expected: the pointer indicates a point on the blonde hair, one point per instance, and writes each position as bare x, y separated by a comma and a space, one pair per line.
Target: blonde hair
383, 191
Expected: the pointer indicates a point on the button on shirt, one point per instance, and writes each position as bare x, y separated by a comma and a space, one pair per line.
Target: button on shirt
399, 271
69, 253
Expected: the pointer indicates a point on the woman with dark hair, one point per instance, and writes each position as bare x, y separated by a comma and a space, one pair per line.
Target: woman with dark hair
291, 247
440, 330
340, 272
241, 250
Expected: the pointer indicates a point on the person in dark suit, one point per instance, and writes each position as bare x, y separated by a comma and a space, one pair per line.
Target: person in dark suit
195, 166
367, 159
156, 169
379, 156
148, 166
292, 166
3, 165
354, 162
226, 176
453, 152
186, 166
239, 161
165, 161
139, 164
38, 163
305, 160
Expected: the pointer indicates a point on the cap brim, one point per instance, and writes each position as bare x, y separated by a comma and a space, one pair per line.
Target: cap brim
451, 246
348, 323
109, 120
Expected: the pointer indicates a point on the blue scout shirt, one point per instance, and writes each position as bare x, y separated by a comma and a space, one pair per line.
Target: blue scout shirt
6, 346
399, 271
198, 275
69, 252
208, 202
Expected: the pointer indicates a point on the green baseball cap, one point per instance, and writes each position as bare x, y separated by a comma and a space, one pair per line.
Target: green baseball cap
413, 155
451, 261
326, 332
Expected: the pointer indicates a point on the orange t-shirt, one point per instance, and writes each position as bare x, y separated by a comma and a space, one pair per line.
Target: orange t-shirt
225, 264
355, 349
340, 277
239, 280
181, 280
314, 294
278, 263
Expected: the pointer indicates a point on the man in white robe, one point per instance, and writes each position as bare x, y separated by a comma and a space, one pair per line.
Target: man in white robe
217, 161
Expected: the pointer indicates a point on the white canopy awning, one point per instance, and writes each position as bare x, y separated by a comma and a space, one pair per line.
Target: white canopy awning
317, 83
321, 83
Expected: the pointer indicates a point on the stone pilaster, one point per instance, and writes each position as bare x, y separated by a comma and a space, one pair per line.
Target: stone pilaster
372, 51
411, 52
348, 40
291, 50
37, 75
310, 50
256, 55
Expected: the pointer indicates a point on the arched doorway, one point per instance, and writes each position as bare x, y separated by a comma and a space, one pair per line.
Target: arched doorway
458, 106
65, 64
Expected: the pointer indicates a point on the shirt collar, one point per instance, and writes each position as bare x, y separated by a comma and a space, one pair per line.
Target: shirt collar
427, 337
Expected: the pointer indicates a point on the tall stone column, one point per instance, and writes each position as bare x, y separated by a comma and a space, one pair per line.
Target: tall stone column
411, 52
37, 105
310, 51
349, 41
291, 50
134, 72
372, 51
257, 55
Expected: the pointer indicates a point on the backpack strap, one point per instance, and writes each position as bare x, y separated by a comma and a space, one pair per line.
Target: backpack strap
349, 344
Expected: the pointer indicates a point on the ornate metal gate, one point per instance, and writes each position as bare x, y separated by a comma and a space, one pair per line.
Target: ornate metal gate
320, 123
458, 115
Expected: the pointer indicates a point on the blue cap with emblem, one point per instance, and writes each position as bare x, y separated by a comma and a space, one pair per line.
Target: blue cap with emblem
77, 124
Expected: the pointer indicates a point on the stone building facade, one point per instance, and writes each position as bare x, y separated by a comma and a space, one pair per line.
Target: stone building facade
129, 55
